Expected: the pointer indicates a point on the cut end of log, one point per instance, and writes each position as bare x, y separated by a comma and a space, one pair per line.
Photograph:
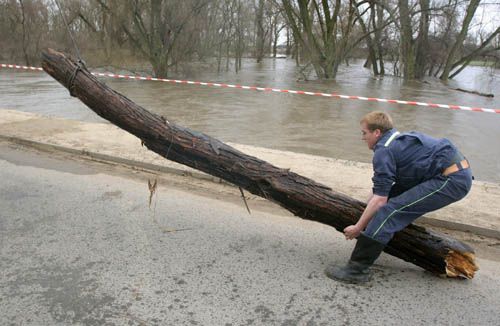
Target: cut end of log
461, 264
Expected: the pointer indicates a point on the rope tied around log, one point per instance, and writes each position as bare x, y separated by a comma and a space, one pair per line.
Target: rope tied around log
79, 66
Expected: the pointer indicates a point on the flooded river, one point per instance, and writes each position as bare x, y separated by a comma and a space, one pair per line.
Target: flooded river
306, 124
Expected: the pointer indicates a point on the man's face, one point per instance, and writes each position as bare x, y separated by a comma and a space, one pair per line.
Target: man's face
370, 137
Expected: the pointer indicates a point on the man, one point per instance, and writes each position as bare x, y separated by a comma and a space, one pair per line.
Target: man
413, 174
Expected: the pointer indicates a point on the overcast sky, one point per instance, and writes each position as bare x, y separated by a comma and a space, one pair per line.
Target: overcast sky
488, 13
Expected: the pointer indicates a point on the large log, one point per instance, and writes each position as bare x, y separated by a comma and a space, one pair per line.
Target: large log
302, 196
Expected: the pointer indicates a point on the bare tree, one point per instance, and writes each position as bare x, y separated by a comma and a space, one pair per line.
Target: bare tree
27, 24
243, 31
482, 50
372, 29
326, 43
413, 52
25, 33
445, 51
419, 37
422, 41
454, 59
259, 25
154, 28
277, 22
471, 9
378, 28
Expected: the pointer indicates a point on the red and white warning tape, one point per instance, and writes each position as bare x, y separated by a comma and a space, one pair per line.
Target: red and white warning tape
3, 65
269, 89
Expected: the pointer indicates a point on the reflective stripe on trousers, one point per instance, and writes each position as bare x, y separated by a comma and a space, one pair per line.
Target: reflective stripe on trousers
425, 197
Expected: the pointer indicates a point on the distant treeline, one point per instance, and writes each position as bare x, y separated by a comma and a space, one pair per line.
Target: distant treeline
406, 38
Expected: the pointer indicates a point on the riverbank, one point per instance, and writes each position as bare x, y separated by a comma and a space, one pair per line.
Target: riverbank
477, 213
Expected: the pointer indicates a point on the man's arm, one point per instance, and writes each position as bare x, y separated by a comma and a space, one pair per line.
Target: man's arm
374, 204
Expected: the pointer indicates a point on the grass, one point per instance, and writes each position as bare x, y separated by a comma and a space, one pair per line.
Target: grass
480, 63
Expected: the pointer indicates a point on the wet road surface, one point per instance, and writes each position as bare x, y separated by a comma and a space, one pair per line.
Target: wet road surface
80, 245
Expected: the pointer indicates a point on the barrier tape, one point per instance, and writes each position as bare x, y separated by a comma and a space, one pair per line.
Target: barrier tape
277, 90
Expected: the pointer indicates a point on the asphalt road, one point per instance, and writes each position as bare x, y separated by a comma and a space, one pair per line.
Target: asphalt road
81, 246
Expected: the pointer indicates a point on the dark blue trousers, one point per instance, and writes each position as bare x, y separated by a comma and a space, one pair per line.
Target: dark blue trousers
426, 197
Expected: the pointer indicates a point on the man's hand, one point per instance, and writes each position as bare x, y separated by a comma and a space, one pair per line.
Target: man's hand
375, 202
352, 231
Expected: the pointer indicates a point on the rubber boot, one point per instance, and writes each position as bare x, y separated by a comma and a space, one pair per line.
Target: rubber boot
363, 256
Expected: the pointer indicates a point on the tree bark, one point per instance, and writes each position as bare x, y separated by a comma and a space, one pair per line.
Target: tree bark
480, 51
471, 10
422, 41
378, 35
259, 21
372, 56
25, 34
406, 46
302, 196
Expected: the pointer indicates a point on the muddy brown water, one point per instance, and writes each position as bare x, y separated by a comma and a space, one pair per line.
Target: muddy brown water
306, 124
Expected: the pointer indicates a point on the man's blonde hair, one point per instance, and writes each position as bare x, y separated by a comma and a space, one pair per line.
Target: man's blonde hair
378, 120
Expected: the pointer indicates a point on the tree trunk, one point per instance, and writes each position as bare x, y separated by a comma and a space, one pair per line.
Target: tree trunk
275, 40
158, 41
303, 197
288, 50
259, 53
406, 47
322, 48
372, 56
240, 37
464, 61
471, 10
422, 43
378, 36
25, 34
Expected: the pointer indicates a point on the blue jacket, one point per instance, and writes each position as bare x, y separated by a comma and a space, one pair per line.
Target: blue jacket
407, 159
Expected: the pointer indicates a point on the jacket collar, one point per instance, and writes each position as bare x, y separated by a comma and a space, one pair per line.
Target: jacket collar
385, 137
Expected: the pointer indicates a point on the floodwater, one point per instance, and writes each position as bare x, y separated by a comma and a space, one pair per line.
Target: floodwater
307, 124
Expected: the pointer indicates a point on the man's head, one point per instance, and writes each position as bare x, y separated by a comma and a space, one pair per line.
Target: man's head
373, 126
